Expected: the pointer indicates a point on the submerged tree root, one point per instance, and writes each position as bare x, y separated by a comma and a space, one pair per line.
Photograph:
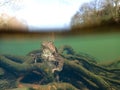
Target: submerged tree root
79, 70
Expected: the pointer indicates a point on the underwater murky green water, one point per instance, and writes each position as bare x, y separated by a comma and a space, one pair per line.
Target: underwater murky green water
104, 47
79, 71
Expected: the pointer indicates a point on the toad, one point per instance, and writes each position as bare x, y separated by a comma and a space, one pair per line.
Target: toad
51, 56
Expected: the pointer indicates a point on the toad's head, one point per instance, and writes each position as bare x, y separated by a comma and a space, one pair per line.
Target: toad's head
49, 45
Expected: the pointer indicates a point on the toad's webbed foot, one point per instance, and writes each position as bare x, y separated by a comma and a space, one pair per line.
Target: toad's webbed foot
56, 69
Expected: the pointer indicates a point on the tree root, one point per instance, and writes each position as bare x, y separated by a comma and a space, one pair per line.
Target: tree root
80, 71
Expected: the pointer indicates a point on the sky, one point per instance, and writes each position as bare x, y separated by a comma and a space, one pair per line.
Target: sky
43, 14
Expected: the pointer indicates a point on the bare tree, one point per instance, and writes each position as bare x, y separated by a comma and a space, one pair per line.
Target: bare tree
97, 12
11, 23
8, 22
13, 4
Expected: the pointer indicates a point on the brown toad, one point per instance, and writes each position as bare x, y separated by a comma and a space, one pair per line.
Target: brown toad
50, 55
